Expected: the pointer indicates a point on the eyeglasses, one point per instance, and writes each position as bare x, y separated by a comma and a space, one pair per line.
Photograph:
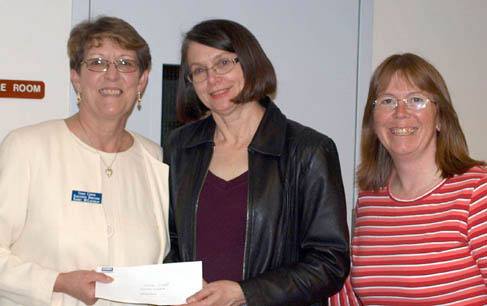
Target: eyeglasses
222, 66
101, 65
414, 102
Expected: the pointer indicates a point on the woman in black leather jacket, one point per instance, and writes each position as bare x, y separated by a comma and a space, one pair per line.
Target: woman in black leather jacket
255, 196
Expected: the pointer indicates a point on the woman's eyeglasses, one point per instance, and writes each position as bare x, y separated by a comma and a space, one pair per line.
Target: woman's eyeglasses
414, 102
101, 65
222, 66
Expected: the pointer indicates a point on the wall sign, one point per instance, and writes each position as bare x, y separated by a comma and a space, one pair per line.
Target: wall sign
22, 89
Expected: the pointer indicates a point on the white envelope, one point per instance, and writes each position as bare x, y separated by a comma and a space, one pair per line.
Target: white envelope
163, 284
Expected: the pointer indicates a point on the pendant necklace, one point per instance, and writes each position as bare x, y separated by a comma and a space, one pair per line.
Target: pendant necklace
108, 167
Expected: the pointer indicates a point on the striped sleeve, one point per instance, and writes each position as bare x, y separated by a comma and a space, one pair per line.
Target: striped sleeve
477, 226
345, 297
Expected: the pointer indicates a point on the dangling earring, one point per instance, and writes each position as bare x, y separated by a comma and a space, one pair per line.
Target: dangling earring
78, 98
139, 101
438, 127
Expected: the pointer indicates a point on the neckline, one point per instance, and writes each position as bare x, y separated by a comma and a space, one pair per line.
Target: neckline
234, 181
92, 149
425, 194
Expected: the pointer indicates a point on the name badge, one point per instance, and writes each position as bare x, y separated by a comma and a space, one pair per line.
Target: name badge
86, 197
106, 269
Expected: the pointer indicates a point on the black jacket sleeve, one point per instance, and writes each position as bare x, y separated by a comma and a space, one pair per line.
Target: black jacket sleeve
324, 260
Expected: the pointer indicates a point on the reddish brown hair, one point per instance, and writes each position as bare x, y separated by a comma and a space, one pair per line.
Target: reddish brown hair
451, 147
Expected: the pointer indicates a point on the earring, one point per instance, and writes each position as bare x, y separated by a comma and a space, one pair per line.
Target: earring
78, 98
438, 127
139, 101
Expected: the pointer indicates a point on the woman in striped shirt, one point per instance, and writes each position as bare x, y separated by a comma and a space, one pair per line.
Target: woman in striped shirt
420, 235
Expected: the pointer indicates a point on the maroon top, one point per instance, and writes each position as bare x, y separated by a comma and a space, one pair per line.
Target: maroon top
220, 227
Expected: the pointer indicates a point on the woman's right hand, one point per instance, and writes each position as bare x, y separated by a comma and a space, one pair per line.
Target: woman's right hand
80, 284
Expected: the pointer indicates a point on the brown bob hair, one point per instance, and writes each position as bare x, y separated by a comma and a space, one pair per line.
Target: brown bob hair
88, 34
258, 72
451, 147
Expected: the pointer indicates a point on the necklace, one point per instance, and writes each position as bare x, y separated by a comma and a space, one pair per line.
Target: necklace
108, 167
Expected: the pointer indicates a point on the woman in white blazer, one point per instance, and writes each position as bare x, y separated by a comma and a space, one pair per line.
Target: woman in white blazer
83, 192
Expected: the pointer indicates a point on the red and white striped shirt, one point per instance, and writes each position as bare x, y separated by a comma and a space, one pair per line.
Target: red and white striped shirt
428, 251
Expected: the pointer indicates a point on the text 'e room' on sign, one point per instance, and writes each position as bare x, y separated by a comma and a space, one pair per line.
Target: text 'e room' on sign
22, 89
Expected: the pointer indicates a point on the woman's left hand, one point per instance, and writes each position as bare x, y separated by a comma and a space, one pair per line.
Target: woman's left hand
219, 293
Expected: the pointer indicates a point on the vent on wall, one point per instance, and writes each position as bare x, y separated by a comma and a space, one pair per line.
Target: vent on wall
170, 74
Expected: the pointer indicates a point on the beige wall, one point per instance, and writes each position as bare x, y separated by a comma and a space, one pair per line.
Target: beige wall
452, 35
33, 47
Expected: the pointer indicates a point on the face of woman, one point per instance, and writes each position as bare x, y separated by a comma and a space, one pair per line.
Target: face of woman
406, 133
218, 90
108, 95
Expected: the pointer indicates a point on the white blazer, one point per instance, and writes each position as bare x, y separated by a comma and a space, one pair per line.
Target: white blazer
41, 232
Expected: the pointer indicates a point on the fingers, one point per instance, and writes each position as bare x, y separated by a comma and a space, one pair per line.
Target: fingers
102, 278
200, 295
80, 284
218, 293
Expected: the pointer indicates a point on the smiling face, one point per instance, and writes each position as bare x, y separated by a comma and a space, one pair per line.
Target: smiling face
217, 91
108, 95
406, 133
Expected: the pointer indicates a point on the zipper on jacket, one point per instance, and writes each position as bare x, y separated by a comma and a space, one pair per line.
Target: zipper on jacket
195, 217
244, 261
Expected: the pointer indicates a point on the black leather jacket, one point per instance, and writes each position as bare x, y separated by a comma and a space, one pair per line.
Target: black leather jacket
296, 243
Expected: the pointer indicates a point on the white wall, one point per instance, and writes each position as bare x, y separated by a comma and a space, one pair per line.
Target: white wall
323, 68
313, 45
33, 47
452, 35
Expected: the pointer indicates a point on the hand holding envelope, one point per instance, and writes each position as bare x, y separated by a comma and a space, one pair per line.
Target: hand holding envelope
162, 284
